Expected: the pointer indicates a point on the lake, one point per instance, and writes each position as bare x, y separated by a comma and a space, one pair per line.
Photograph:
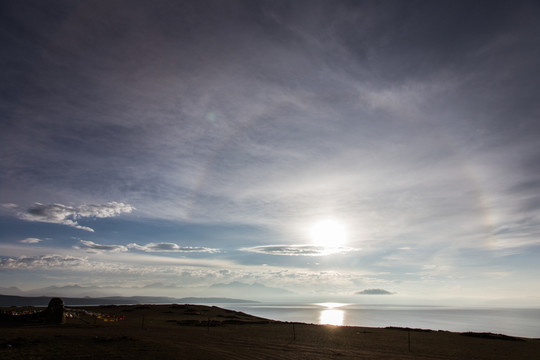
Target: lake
516, 322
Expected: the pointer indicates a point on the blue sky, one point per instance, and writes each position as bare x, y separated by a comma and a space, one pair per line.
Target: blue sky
320, 147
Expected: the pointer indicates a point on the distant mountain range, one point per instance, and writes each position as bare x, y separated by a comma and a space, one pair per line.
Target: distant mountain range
105, 294
12, 300
254, 287
11, 290
68, 291
256, 291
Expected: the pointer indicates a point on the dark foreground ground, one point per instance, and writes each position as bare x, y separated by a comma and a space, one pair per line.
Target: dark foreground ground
201, 332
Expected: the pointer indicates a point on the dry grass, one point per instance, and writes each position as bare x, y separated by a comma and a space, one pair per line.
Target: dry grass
183, 332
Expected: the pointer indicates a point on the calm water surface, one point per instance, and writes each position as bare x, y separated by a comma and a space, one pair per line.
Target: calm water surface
517, 322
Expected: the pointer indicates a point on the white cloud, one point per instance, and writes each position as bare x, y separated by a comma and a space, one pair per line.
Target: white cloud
298, 250
42, 262
109, 266
107, 210
68, 215
93, 247
170, 247
31, 241
9, 206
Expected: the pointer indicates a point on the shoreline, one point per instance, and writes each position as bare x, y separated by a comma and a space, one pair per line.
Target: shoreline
184, 331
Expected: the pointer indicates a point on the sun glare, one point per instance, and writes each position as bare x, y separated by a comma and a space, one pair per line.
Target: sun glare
328, 234
331, 317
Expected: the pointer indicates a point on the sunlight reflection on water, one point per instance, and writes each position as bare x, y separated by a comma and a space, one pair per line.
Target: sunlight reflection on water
331, 317
508, 321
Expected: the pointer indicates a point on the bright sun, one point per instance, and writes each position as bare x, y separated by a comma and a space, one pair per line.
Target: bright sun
328, 234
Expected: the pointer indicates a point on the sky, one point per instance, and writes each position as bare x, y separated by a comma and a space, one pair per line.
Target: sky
372, 151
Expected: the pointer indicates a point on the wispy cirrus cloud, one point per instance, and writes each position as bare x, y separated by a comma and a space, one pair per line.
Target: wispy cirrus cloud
69, 215
313, 109
170, 247
298, 250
